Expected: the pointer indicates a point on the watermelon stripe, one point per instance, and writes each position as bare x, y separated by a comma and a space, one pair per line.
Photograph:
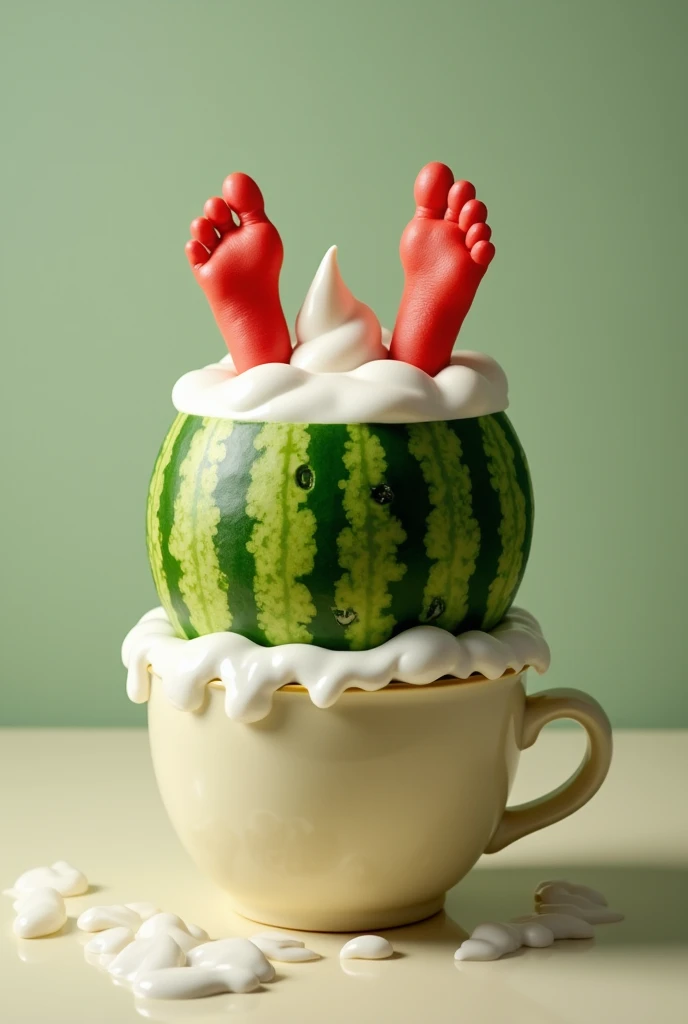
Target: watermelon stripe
512, 530
153, 531
525, 483
326, 459
235, 528
171, 566
411, 506
283, 537
487, 511
452, 540
368, 546
203, 584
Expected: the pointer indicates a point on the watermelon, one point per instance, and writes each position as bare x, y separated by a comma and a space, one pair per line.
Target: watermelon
338, 535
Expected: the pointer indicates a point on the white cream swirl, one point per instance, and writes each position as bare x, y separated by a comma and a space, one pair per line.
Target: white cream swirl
251, 674
340, 373
334, 331
384, 391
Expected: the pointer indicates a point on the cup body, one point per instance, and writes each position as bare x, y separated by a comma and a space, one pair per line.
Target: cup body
353, 818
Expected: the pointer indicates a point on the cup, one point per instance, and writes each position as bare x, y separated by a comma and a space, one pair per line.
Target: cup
361, 816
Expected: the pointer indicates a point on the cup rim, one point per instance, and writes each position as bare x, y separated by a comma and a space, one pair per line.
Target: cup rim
395, 686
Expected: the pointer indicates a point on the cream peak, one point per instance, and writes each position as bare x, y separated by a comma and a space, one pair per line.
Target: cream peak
334, 331
328, 304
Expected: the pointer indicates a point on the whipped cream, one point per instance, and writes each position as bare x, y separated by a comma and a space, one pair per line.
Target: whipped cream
251, 674
340, 373
334, 331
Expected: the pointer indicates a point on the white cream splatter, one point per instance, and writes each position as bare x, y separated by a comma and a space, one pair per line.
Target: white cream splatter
477, 949
564, 910
60, 876
116, 915
194, 982
562, 926
562, 897
536, 934
40, 912
145, 955
110, 942
284, 948
559, 886
504, 937
233, 953
366, 947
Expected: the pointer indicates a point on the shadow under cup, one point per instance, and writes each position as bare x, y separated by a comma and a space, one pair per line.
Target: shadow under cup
363, 815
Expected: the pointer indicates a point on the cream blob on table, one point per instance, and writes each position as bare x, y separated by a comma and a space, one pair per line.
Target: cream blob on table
60, 876
284, 948
39, 912
367, 947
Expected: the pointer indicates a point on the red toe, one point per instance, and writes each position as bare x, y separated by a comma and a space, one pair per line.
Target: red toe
243, 196
480, 232
219, 214
460, 193
431, 190
196, 253
483, 253
204, 232
472, 213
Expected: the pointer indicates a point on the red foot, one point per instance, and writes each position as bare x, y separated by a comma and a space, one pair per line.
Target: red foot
238, 268
445, 251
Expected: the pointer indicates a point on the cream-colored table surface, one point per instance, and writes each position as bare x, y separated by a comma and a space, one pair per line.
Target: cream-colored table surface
89, 797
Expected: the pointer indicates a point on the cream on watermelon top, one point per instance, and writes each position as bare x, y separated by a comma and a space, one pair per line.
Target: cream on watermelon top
339, 373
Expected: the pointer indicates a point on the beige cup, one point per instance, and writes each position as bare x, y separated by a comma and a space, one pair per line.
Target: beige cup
363, 815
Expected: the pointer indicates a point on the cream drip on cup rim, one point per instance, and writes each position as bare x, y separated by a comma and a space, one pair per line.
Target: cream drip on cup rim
339, 373
251, 674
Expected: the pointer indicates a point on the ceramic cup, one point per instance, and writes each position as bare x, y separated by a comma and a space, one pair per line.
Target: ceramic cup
363, 815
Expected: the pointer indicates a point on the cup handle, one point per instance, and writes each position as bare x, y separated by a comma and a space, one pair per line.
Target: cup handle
540, 709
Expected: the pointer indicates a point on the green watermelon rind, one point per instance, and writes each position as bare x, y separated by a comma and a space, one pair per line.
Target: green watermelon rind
338, 535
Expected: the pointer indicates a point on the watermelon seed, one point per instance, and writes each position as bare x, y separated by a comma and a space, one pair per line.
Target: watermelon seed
344, 616
305, 477
382, 494
436, 608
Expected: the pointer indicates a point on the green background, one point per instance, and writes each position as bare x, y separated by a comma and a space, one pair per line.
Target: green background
121, 118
